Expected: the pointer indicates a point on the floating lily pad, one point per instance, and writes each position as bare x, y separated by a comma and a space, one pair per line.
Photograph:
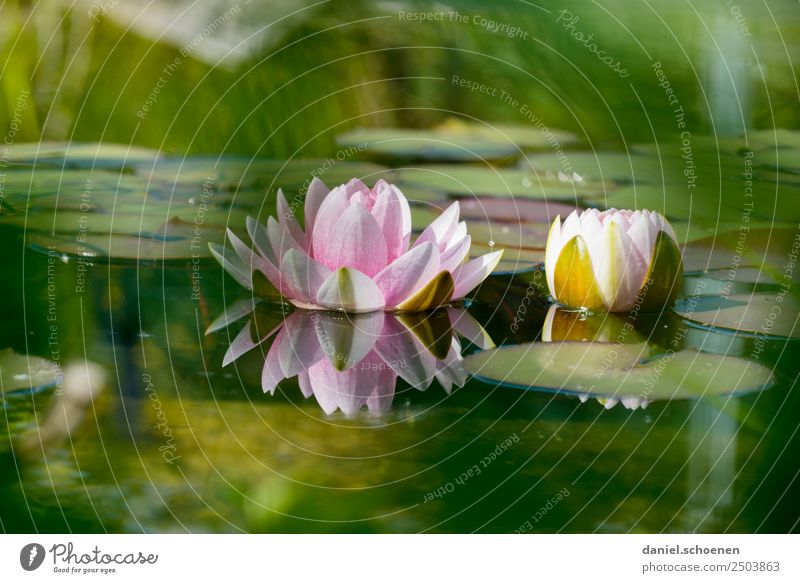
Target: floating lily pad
505, 235
766, 249
19, 372
599, 166
514, 260
240, 172
770, 314
527, 137
82, 155
124, 248
783, 160
726, 148
428, 144
780, 138
673, 202
617, 371
514, 210
471, 181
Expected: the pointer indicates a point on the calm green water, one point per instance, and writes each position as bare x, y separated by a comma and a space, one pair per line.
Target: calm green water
177, 442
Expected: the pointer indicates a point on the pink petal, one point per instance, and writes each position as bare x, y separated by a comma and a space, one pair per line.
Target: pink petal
389, 216
243, 343
403, 353
454, 257
315, 195
468, 327
253, 261
271, 373
299, 348
473, 272
457, 235
289, 222
380, 401
350, 290
327, 219
399, 280
232, 313
280, 240
232, 263
346, 390
357, 242
450, 370
260, 238
305, 384
303, 275
347, 338
355, 186
441, 228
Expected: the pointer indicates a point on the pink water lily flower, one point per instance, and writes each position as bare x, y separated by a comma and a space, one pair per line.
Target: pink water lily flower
355, 253
613, 260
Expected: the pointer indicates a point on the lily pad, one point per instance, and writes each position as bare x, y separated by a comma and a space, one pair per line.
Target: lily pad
515, 210
526, 137
514, 260
505, 235
673, 202
783, 160
108, 247
772, 138
20, 372
240, 172
599, 166
617, 371
432, 144
460, 181
763, 314
80, 155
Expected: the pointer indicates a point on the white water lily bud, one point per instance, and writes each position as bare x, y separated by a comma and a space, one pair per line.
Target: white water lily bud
613, 260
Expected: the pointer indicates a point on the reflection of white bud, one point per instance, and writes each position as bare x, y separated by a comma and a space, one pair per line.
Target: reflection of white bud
83, 382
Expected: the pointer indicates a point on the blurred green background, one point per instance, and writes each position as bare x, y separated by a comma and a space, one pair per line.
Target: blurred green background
279, 79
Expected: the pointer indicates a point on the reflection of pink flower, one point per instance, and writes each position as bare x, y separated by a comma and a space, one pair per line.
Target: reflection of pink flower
348, 361
356, 253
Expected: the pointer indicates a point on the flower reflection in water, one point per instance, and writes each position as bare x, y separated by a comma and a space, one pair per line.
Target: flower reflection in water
348, 361
570, 325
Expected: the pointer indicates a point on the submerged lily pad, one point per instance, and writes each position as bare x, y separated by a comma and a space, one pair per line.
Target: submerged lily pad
19, 372
770, 314
617, 371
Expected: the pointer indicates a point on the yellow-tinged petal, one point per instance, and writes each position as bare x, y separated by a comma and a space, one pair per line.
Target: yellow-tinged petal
433, 330
574, 279
665, 275
436, 292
